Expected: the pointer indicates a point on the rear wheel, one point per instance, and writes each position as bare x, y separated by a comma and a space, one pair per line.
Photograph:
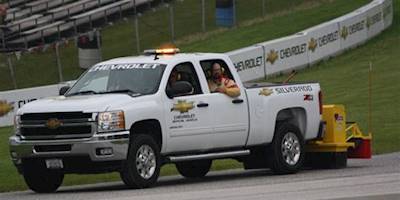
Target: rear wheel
287, 149
142, 167
194, 169
42, 180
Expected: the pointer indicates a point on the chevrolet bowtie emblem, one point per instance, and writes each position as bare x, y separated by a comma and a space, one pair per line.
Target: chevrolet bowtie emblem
369, 22
53, 123
272, 56
344, 33
266, 92
182, 106
312, 44
5, 108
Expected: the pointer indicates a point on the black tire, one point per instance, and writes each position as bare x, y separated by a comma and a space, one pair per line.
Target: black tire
130, 174
281, 162
194, 169
42, 180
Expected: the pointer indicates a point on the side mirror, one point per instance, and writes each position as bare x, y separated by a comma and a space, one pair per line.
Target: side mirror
63, 90
180, 88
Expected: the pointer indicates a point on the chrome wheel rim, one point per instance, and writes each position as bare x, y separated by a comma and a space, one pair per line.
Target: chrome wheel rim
290, 148
145, 162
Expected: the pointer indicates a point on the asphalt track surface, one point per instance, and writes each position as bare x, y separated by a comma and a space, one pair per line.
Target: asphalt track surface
378, 178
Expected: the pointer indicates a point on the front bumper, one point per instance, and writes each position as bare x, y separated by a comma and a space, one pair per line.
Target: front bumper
89, 148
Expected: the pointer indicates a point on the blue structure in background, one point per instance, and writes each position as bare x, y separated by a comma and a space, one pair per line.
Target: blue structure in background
224, 13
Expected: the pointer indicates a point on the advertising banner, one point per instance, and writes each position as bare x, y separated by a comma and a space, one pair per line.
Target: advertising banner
353, 29
10, 101
249, 62
285, 54
374, 18
323, 41
387, 9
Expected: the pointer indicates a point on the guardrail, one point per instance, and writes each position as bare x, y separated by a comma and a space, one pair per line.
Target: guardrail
267, 58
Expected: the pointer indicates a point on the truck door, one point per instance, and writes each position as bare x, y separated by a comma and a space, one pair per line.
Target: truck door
230, 114
188, 118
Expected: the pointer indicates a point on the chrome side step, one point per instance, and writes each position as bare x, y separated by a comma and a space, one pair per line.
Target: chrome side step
227, 154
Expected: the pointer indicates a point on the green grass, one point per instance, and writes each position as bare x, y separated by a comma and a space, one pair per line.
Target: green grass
344, 79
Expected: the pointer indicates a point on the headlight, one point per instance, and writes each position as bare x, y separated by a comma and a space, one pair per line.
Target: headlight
111, 121
17, 126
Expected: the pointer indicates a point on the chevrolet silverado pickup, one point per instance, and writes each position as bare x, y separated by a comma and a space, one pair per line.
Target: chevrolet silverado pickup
123, 116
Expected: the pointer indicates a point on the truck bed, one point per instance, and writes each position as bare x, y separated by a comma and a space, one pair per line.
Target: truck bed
250, 85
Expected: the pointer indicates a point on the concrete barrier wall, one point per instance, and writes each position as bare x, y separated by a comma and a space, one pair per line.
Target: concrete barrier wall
11, 101
353, 30
374, 15
323, 41
249, 62
266, 58
387, 10
285, 54
319, 42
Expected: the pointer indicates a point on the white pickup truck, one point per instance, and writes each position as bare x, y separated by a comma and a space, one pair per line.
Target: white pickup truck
122, 115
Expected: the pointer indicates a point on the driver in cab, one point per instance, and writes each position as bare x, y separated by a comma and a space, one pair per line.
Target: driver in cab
220, 83
174, 78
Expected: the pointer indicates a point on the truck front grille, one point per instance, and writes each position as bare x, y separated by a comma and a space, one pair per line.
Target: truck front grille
70, 125
56, 115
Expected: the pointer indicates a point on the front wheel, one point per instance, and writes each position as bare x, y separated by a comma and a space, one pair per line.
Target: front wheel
194, 169
142, 166
287, 149
42, 180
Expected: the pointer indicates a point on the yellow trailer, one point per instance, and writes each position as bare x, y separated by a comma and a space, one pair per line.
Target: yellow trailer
338, 141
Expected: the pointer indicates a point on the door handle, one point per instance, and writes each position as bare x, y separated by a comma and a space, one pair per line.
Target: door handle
200, 105
236, 101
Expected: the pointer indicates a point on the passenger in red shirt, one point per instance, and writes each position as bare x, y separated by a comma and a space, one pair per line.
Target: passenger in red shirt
220, 83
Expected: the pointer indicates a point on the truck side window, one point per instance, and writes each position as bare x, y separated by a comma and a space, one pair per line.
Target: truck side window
186, 72
207, 64
219, 78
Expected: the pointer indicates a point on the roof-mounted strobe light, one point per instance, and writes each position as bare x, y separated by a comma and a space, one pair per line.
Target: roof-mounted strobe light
156, 52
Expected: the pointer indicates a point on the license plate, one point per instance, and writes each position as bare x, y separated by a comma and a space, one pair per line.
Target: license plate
54, 164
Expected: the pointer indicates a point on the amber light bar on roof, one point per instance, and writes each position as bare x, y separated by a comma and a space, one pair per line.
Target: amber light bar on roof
161, 51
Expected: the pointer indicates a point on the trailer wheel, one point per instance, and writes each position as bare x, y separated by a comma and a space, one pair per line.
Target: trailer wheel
286, 153
194, 169
42, 180
142, 166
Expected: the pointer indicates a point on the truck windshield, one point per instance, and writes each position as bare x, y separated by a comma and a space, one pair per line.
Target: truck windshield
132, 78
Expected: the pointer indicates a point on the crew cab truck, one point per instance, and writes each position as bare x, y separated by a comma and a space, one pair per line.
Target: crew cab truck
123, 115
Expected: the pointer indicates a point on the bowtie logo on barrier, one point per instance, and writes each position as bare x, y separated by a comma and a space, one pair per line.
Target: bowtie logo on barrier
344, 32
312, 45
272, 56
5, 108
369, 22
